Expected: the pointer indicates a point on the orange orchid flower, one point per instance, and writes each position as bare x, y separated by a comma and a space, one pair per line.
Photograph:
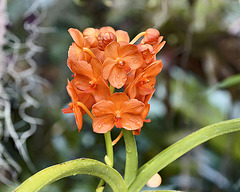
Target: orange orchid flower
117, 111
147, 52
76, 97
151, 36
120, 60
144, 82
76, 50
88, 78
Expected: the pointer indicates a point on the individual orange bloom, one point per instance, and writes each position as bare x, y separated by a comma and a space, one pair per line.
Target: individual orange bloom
117, 111
120, 60
76, 97
147, 52
151, 36
144, 82
75, 52
88, 79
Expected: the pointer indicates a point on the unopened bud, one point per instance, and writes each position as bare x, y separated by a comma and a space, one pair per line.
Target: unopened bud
104, 39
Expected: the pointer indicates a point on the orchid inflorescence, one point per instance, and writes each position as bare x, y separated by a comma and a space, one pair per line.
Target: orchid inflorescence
105, 59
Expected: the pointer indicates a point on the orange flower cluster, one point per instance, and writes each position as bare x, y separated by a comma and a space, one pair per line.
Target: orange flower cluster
104, 59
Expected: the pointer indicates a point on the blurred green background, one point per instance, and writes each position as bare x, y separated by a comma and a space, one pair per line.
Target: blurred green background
202, 49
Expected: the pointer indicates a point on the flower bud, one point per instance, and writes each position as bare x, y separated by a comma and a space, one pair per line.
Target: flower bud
104, 39
151, 36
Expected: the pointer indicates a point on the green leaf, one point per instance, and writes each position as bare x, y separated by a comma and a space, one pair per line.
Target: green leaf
71, 168
179, 148
230, 82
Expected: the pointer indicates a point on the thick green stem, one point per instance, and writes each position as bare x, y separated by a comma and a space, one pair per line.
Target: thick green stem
131, 166
71, 168
181, 147
109, 150
109, 147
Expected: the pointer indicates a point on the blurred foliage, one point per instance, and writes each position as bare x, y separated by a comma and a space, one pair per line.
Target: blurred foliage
203, 48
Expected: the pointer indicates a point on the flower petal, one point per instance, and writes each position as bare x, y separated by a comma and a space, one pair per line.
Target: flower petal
131, 122
90, 32
78, 116
133, 61
71, 92
103, 107
74, 52
151, 36
80, 67
146, 110
111, 50
137, 132
154, 68
99, 54
77, 36
117, 77
96, 67
91, 35
102, 90
122, 36
148, 87
107, 67
82, 82
107, 29
103, 124
132, 106
67, 110
118, 99
87, 99
126, 50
